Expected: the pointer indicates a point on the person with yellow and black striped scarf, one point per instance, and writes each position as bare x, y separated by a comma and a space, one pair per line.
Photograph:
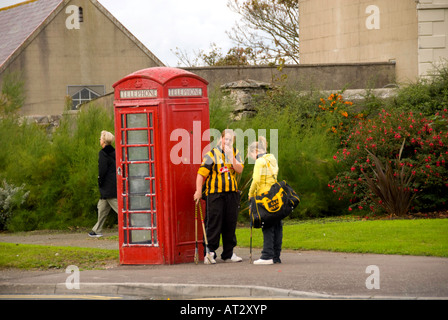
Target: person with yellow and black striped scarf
217, 174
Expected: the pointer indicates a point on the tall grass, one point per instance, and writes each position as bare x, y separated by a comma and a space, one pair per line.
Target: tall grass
59, 171
305, 150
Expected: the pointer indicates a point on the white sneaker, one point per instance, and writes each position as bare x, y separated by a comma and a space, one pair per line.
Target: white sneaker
208, 259
234, 258
92, 234
262, 261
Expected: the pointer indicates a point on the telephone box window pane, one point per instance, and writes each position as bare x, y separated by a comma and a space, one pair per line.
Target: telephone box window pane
138, 169
137, 120
153, 204
138, 153
150, 120
140, 220
155, 236
138, 137
153, 186
140, 236
139, 203
138, 185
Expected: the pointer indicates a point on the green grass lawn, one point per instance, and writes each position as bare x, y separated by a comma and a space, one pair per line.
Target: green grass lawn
427, 237
24, 256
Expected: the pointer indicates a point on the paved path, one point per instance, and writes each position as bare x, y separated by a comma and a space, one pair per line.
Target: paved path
302, 275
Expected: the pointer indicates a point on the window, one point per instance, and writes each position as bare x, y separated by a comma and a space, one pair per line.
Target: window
82, 94
80, 15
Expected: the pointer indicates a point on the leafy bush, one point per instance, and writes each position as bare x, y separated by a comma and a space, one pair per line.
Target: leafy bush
60, 171
428, 95
11, 198
424, 153
304, 149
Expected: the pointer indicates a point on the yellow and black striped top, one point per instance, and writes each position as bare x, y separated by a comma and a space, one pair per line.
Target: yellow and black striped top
219, 172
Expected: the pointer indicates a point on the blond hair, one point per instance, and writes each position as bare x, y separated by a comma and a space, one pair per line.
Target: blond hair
259, 146
107, 137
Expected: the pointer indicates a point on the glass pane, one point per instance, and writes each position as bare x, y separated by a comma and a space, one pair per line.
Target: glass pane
85, 94
151, 134
138, 185
150, 120
137, 137
140, 220
153, 204
138, 169
153, 186
136, 120
155, 236
125, 220
93, 95
152, 170
139, 203
140, 236
138, 153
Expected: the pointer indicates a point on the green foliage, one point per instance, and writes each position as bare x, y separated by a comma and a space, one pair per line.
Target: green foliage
412, 141
60, 172
428, 95
12, 94
11, 198
304, 149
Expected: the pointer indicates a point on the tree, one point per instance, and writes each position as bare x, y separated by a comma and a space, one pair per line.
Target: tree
270, 28
235, 56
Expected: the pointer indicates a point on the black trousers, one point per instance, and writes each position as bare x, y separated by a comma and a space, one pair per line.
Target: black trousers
272, 242
220, 219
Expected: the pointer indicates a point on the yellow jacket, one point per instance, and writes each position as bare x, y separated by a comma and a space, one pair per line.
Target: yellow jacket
264, 176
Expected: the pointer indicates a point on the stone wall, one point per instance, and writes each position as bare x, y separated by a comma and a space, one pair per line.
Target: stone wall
432, 33
305, 77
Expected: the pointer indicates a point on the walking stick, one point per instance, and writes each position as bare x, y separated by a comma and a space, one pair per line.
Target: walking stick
250, 246
196, 254
207, 250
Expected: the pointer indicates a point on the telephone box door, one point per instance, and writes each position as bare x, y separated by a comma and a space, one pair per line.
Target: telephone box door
137, 173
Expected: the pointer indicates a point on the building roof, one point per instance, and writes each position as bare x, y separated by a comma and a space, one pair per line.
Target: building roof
18, 23
21, 23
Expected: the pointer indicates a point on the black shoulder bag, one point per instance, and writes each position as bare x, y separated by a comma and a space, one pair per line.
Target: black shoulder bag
272, 206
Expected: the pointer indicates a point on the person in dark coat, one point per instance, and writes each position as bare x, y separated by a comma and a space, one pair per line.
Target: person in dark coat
107, 182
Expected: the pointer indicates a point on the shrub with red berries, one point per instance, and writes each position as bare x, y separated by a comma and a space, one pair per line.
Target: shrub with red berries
411, 144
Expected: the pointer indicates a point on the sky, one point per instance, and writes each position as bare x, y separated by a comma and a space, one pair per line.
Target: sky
163, 25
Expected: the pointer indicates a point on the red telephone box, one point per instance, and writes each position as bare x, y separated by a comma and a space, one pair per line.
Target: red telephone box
161, 128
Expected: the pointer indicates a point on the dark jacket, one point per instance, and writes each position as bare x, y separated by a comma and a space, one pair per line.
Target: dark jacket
107, 179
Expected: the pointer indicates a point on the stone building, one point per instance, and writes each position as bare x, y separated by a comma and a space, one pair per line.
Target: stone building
63, 48
411, 33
